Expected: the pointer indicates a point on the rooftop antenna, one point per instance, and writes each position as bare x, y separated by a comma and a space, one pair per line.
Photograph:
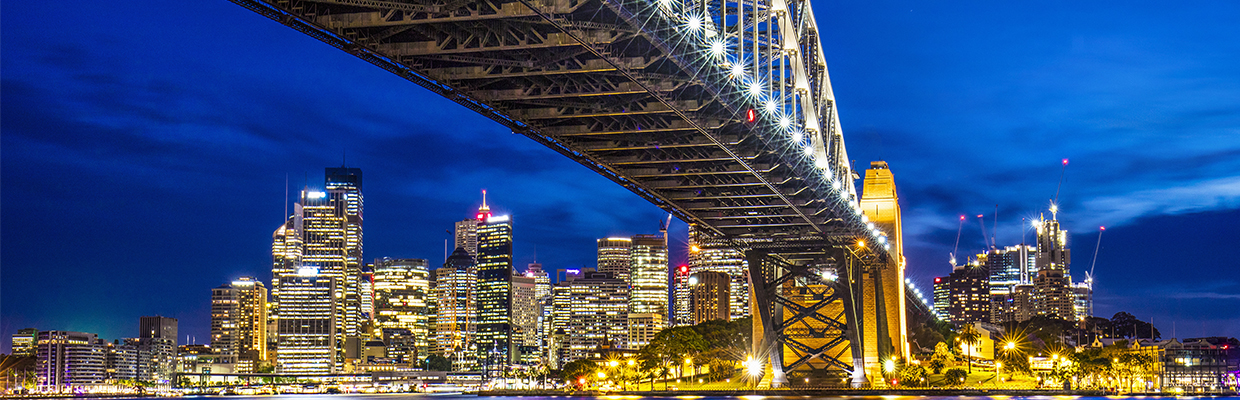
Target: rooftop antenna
484, 202
957, 246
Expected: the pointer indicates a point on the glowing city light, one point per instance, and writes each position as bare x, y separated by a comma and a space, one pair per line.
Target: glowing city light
716, 48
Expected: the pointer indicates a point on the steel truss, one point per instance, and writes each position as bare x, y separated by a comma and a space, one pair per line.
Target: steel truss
655, 95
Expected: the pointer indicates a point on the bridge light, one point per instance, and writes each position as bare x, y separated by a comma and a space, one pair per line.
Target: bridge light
882, 239
796, 136
821, 162
770, 106
695, 23
738, 69
716, 48
886, 247
861, 243
870, 226
784, 123
835, 184
809, 150
865, 218
755, 88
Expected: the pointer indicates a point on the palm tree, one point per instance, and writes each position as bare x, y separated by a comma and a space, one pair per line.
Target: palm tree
969, 336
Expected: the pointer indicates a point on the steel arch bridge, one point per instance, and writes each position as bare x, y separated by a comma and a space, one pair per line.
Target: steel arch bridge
718, 111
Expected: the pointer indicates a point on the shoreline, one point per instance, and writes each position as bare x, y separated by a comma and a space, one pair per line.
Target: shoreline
831, 392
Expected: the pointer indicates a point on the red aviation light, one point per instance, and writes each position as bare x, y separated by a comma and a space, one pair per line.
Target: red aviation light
751, 115
937, 280
481, 217
684, 269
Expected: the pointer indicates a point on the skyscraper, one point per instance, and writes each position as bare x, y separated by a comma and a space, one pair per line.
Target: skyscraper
1052, 294
465, 236
494, 295
306, 326
239, 322
1009, 267
524, 310
456, 324
614, 257
725, 260
68, 359
710, 296
589, 312
157, 348
969, 287
325, 234
402, 301
649, 273
942, 298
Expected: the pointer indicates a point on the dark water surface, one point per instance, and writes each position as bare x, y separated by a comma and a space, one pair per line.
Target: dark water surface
415, 396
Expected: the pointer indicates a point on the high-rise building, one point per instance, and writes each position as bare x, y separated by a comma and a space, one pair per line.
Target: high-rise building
120, 361
466, 235
306, 326
402, 301
324, 233
942, 298
366, 288
239, 322
709, 296
725, 260
457, 317
614, 257
1052, 294
590, 311
157, 348
969, 287
648, 289
23, 342
544, 296
1009, 267
642, 328
525, 309
494, 291
682, 312
68, 360
1083, 299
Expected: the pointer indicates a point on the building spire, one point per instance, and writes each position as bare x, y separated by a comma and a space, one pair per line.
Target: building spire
484, 207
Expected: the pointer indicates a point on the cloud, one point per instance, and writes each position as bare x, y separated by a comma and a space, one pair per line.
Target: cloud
1221, 193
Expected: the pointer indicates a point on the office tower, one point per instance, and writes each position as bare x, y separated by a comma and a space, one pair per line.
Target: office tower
1009, 267
614, 257
455, 284
590, 311
466, 234
682, 313
402, 301
306, 327
366, 289
494, 293
524, 311
543, 295
120, 361
726, 260
1052, 294
324, 233
883, 290
68, 360
709, 296
157, 348
649, 270
1083, 299
942, 298
23, 342
969, 287
239, 322
642, 328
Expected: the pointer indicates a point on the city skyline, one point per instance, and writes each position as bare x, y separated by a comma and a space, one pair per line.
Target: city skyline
174, 159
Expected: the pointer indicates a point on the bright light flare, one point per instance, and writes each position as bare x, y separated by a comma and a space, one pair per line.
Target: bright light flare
716, 48
738, 70
784, 122
770, 106
695, 23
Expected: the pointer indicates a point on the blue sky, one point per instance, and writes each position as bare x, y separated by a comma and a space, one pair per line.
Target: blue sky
145, 146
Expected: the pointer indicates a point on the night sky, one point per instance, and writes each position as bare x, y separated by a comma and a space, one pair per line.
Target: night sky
146, 148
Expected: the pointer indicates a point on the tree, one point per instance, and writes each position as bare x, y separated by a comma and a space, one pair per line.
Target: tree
912, 375
677, 344
1127, 325
436, 362
955, 376
942, 357
969, 336
576, 370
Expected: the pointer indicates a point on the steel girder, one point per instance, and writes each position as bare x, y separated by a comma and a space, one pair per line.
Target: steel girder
654, 95
629, 89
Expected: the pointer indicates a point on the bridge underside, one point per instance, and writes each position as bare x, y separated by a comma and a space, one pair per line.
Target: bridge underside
625, 88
